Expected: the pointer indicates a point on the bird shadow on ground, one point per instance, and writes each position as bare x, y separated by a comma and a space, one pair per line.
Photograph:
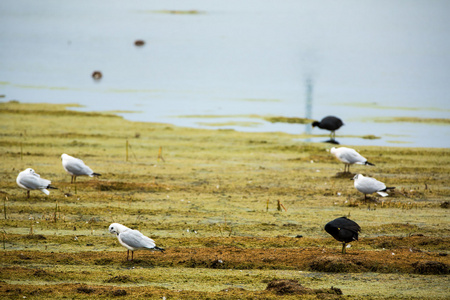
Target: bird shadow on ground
370, 199
344, 175
137, 262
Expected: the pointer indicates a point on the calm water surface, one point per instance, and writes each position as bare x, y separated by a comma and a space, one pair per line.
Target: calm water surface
359, 60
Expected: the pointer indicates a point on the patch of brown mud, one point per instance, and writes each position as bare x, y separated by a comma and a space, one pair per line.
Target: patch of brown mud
398, 260
126, 186
287, 286
431, 268
335, 264
445, 204
120, 279
344, 175
290, 286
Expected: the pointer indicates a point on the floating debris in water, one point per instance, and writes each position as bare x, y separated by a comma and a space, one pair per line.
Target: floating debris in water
139, 43
97, 75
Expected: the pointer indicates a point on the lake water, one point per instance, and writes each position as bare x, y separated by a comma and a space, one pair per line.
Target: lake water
214, 64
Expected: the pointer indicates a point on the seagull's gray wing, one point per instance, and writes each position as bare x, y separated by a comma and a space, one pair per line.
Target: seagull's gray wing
351, 156
371, 185
136, 239
33, 182
77, 167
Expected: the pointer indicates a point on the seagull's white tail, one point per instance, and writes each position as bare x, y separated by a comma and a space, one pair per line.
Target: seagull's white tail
383, 194
45, 192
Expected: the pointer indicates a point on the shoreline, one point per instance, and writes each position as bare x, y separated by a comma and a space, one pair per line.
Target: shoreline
301, 137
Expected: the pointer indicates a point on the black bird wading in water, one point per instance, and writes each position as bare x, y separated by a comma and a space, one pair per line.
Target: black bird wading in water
343, 230
330, 123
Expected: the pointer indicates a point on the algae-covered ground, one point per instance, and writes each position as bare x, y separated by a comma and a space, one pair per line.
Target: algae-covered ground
241, 215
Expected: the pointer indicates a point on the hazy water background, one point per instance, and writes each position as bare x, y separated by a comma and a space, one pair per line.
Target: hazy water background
363, 59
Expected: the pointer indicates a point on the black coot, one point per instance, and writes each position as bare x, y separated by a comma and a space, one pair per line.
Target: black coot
330, 123
343, 230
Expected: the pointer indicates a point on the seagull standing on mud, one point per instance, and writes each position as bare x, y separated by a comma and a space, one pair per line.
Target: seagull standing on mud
132, 239
76, 167
369, 185
30, 180
343, 230
330, 123
349, 157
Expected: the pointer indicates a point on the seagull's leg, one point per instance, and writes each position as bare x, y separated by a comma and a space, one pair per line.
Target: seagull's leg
348, 168
132, 252
128, 253
28, 194
343, 248
71, 179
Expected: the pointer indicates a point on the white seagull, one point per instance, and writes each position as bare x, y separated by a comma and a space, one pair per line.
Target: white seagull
132, 239
30, 180
349, 157
369, 185
76, 167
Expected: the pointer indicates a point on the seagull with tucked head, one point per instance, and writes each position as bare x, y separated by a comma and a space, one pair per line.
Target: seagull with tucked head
132, 239
349, 157
76, 167
369, 185
30, 180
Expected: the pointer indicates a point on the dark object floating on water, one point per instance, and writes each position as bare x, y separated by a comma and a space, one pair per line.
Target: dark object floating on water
330, 123
343, 230
97, 75
139, 43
